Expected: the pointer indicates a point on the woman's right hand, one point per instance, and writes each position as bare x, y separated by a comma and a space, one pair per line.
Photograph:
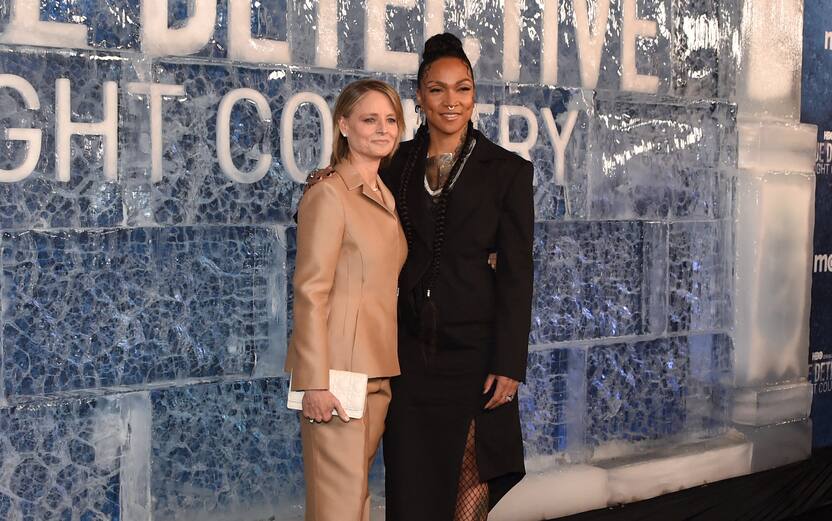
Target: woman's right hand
319, 404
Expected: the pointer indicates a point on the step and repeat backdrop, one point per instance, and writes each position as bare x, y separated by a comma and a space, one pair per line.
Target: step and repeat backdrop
817, 109
151, 157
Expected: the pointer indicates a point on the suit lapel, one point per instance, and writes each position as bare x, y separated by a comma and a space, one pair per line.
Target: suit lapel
377, 198
353, 180
472, 187
420, 218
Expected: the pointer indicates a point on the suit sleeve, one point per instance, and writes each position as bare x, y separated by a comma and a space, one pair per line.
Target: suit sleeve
320, 234
514, 275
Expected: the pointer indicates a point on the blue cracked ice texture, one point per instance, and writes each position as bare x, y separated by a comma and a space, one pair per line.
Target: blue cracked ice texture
193, 188
544, 402
40, 200
663, 389
636, 391
90, 309
226, 448
586, 285
54, 461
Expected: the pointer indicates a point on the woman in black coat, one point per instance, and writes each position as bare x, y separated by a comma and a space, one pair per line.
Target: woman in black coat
453, 445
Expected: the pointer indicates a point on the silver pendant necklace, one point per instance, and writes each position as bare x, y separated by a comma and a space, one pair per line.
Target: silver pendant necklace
444, 162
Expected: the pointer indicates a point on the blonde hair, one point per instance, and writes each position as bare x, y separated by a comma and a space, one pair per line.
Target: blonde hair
347, 100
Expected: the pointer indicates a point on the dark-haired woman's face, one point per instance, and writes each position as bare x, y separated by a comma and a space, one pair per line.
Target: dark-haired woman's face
447, 96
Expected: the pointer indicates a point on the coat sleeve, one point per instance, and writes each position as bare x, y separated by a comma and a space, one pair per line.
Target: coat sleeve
514, 277
319, 238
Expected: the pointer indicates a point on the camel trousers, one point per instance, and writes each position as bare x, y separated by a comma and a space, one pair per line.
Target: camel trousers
337, 458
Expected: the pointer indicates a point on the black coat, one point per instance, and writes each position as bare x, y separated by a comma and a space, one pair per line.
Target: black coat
484, 317
490, 209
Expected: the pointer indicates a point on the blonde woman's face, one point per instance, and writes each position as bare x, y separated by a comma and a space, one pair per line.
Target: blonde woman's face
371, 128
446, 96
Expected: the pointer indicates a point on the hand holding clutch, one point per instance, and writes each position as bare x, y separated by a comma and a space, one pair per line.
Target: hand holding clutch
350, 390
322, 406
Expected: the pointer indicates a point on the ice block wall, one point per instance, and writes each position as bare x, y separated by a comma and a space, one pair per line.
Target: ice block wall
773, 226
150, 165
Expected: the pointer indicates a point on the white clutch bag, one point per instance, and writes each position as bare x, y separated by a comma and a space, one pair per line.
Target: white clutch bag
349, 388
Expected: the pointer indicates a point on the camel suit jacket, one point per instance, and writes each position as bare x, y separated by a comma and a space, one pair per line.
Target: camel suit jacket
350, 249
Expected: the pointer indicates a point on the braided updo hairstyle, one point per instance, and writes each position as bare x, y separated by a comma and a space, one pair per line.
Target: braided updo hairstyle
439, 46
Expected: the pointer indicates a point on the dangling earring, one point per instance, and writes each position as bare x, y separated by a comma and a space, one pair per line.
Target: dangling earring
421, 117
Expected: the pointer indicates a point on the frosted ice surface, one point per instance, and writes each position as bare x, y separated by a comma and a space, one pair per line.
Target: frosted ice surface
560, 189
271, 289
88, 309
702, 61
199, 286
780, 444
225, 451
553, 493
404, 28
777, 146
483, 20
773, 404
609, 73
768, 77
691, 53
553, 407
134, 493
699, 276
660, 160
709, 393
703, 462
41, 201
115, 24
194, 188
112, 24
178, 13
773, 253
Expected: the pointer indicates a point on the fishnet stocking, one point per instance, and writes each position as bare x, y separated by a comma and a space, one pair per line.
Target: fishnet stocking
472, 496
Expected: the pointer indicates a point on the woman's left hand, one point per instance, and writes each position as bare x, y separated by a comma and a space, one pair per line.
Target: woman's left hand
505, 392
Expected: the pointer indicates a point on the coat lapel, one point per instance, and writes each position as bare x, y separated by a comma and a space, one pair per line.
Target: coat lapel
420, 218
377, 198
353, 180
472, 187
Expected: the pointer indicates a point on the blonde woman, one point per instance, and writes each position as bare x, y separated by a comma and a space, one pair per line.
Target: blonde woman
350, 249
